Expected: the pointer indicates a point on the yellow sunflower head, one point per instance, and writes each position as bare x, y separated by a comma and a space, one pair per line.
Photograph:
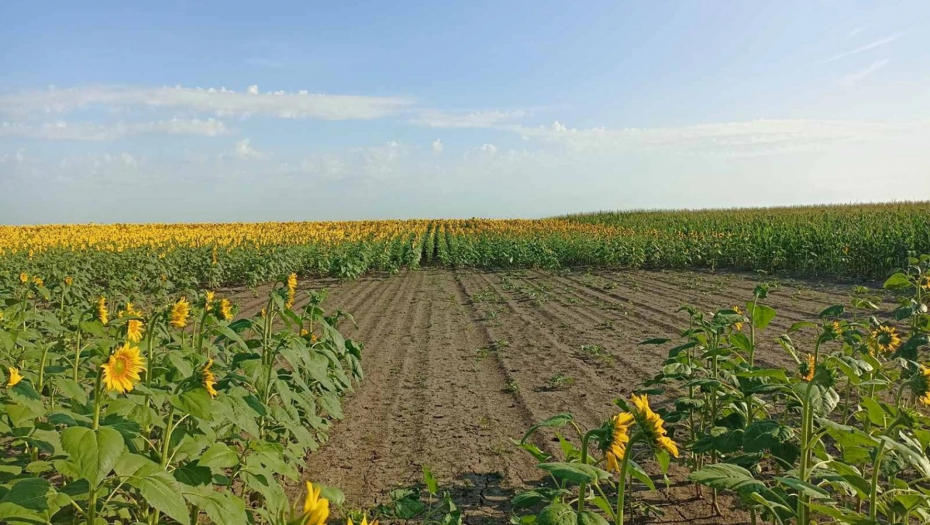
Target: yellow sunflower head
69, 281
291, 290
886, 339
614, 447
38, 281
23, 277
738, 325
208, 299
102, 314
224, 309
121, 372
652, 425
209, 379
14, 378
316, 507
134, 330
180, 312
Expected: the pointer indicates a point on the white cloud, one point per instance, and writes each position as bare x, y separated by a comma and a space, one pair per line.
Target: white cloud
488, 149
244, 150
90, 131
222, 102
474, 119
437, 146
854, 78
861, 49
732, 138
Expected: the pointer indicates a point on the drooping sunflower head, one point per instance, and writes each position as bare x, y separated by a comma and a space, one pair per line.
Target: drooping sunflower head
886, 339
69, 281
920, 384
617, 438
291, 290
836, 329
14, 378
652, 425
806, 368
134, 330
208, 299
209, 380
102, 314
739, 324
316, 507
121, 372
180, 312
224, 309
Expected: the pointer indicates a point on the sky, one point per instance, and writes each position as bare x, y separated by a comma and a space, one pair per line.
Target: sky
251, 111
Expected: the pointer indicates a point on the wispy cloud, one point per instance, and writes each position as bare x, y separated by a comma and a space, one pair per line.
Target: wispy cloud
468, 119
220, 102
854, 78
748, 138
92, 131
857, 30
877, 43
244, 150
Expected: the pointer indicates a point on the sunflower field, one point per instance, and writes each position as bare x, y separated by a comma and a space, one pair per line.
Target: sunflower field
135, 405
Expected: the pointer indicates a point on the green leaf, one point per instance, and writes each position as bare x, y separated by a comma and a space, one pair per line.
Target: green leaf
193, 475
29, 493
155, 484
803, 487
196, 402
223, 508
765, 434
587, 517
832, 312
762, 315
898, 281
93, 452
847, 436
431, 484
556, 514
558, 420
219, 455
574, 472
724, 476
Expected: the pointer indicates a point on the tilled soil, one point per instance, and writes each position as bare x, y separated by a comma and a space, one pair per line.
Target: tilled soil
458, 362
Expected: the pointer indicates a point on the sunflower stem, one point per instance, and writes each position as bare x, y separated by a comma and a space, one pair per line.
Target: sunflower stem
621, 488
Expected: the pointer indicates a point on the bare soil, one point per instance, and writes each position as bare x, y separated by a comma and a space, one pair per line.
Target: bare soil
458, 362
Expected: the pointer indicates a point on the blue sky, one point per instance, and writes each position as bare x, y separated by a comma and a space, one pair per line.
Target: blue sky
228, 111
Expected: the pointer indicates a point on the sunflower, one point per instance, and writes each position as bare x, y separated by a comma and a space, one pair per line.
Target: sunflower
23, 277
209, 379
180, 312
15, 378
122, 370
738, 325
134, 330
614, 449
920, 385
102, 314
652, 425
291, 290
886, 339
69, 281
38, 281
225, 309
208, 299
316, 508
807, 368
364, 521
304, 332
